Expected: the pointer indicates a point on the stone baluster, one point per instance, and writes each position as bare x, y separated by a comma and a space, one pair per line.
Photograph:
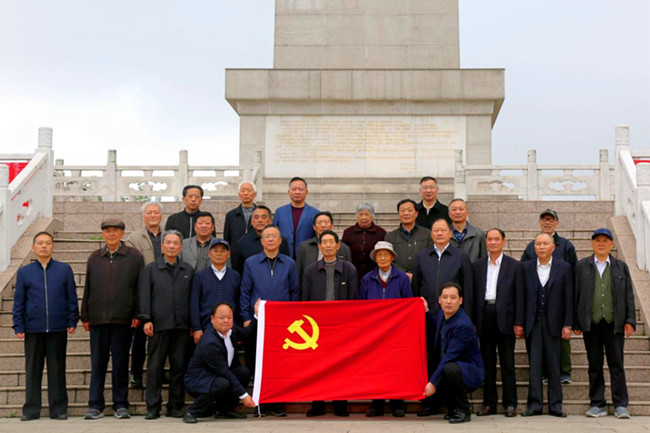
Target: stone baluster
603, 171
531, 191
47, 186
110, 178
183, 174
5, 242
643, 195
622, 143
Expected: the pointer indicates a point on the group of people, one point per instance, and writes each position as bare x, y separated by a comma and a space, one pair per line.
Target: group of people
194, 297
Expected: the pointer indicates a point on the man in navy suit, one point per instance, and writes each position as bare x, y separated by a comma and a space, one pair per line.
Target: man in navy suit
548, 320
295, 219
459, 367
499, 312
214, 373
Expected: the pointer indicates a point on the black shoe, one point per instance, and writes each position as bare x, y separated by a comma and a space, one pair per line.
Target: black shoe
60, 417
510, 411
426, 411
174, 413
136, 382
231, 414
315, 412
189, 418
558, 413
152, 414
486, 411
371, 413
29, 417
399, 413
342, 413
460, 416
447, 417
277, 412
530, 412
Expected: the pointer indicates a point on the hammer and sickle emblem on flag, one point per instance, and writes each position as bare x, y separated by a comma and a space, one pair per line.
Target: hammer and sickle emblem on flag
309, 341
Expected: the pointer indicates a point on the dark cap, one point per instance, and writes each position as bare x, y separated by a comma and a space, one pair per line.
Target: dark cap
602, 231
113, 222
219, 241
550, 212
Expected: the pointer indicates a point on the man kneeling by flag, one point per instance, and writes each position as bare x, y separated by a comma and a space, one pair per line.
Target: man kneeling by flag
214, 373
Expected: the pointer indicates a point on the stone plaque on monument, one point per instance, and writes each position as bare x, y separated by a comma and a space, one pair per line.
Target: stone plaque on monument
362, 146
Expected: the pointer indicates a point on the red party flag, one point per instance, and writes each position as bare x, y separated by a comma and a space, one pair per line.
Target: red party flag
340, 350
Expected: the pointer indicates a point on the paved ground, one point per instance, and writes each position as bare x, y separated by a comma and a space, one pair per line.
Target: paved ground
331, 424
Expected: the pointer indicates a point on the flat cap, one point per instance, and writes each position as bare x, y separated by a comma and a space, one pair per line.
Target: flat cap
113, 222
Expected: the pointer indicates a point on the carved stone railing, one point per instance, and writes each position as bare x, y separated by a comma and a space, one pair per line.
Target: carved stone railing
27, 197
535, 182
633, 192
111, 182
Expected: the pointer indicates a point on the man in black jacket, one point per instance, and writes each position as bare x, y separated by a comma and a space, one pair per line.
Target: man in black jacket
605, 316
251, 244
500, 291
215, 377
184, 220
164, 293
430, 209
329, 279
434, 267
564, 250
108, 311
238, 220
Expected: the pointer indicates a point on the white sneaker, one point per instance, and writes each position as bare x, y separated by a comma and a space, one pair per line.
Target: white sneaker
596, 412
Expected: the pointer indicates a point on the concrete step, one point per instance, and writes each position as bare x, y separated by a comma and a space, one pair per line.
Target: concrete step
638, 391
579, 357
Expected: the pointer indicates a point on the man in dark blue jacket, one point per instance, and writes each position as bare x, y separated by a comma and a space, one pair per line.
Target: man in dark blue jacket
45, 308
214, 376
270, 276
459, 366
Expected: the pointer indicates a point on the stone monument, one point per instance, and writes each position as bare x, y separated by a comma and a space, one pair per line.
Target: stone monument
365, 97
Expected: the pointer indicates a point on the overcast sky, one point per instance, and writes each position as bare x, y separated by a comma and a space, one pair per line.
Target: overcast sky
147, 77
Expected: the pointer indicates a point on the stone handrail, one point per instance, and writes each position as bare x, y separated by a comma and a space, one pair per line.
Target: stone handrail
535, 182
136, 183
633, 193
28, 196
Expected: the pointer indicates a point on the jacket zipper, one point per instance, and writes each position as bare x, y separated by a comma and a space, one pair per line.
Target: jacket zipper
47, 306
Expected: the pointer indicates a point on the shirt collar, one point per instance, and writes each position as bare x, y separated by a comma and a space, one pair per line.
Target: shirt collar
228, 334
443, 250
607, 261
548, 265
498, 261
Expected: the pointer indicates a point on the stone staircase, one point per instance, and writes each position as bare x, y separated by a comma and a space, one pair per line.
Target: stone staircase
79, 238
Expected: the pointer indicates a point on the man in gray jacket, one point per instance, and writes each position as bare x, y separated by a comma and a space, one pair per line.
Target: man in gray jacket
464, 235
196, 249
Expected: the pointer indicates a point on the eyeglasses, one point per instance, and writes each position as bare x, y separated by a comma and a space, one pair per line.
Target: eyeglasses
273, 236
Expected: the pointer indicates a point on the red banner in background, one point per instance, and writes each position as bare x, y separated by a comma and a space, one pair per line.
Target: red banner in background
340, 350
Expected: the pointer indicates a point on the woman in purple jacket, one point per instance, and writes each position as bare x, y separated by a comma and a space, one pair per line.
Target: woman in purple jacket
386, 281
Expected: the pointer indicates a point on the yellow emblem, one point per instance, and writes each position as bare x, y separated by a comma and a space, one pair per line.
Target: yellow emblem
309, 341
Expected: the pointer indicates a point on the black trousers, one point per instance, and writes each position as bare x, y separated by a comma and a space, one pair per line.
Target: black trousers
39, 347
379, 404
452, 390
167, 344
433, 358
542, 349
491, 340
339, 405
220, 396
109, 341
138, 351
602, 336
